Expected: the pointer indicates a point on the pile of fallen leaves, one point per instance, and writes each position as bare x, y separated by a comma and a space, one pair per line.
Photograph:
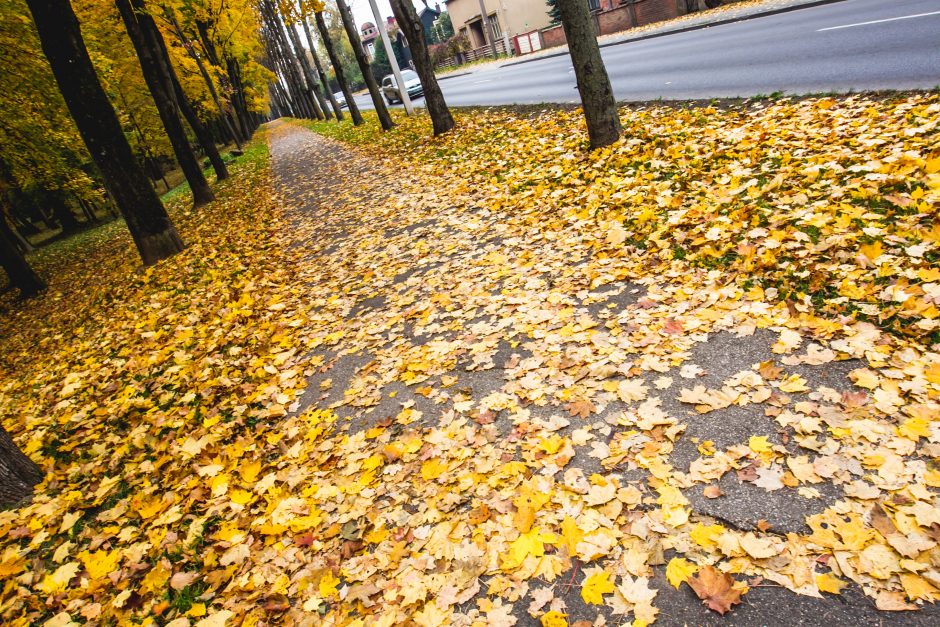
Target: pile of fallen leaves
824, 201
463, 383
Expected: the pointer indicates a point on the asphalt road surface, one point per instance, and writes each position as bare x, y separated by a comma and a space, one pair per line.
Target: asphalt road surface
854, 45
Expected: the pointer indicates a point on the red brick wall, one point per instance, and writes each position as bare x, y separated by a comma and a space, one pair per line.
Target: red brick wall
649, 11
554, 36
614, 21
619, 19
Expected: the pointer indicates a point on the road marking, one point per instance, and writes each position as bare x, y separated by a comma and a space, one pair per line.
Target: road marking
890, 19
489, 80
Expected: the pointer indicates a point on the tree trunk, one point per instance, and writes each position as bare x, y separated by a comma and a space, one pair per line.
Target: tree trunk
61, 38
337, 110
350, 25
312, 83
597, 97
21, 274
18, 473
62, 212
199, 130
160, 84
337, 69
238, 97
413, 30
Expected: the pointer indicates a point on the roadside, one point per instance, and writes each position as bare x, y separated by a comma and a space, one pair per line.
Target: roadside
724, 14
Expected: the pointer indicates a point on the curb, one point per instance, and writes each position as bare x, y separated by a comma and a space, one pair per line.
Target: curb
444, 78
730, 20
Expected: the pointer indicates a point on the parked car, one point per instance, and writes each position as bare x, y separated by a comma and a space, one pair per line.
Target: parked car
340, 99
412, 85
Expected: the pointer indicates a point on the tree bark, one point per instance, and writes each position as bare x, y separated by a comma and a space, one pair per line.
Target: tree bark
597, 97
157, 76
22, 276
18, 473
337, 110
377, 100
61, 38
337, 68
411, 27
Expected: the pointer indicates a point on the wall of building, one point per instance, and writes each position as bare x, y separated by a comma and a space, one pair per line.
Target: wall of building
515, 16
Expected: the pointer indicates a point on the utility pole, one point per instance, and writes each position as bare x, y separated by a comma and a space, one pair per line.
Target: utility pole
402, 91
488, 28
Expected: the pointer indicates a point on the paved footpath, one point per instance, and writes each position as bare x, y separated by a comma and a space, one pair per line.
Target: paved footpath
474, 302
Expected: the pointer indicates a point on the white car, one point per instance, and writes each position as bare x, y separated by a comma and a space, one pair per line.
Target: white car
340, 99
412, 85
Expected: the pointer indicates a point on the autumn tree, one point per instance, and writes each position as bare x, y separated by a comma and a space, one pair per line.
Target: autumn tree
597, 96
61, 39
157, 74
411, 27
353, 34
337, 67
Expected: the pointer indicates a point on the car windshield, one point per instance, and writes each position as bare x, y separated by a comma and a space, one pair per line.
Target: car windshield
408, 75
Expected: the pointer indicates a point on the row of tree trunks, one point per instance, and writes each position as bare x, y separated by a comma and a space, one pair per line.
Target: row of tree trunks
312, 84
225, 112
353, 34
61, 39
158, 80
192, 118
337, 68
283, 57
337, 110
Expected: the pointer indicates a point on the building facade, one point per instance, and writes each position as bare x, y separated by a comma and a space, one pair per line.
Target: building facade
508, 17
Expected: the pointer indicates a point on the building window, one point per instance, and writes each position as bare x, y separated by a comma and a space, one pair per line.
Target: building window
594, 5
496, 28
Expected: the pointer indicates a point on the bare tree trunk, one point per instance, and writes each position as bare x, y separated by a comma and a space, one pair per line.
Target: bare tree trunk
161, 88
337, 68
350, 25
62, 43
597, 97
413, 30
22, 276
18, 473
337, 110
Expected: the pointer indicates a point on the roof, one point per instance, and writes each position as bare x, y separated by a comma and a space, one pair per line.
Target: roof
367, 25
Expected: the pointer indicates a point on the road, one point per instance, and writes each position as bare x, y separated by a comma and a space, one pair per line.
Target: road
853, 45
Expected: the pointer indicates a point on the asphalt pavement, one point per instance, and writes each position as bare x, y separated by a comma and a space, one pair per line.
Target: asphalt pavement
855, 45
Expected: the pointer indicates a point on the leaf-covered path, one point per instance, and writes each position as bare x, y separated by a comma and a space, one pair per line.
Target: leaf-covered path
524, 427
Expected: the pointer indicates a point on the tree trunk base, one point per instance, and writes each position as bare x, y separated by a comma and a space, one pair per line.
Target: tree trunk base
153, 248
18, 473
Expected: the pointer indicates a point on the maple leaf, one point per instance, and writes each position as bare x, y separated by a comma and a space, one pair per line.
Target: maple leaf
679, 570
595, 586
554, 619
715, 588
581, 408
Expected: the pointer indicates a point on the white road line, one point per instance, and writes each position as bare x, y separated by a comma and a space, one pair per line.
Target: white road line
890, 19
489, 80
